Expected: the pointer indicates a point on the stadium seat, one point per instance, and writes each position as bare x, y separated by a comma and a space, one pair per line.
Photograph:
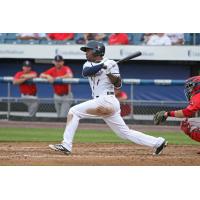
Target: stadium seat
197, 38
49, 42
43, 41
10, 41
130, 38
188, 38
2, 41
11, 36
78, 37
3, 35
137, 37
28, 41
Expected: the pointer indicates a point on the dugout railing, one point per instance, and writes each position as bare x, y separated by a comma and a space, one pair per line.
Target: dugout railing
140, 110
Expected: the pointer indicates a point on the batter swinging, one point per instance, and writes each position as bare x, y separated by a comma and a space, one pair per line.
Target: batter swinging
104, 76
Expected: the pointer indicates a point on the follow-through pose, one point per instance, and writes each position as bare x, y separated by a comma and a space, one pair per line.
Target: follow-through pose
104, 76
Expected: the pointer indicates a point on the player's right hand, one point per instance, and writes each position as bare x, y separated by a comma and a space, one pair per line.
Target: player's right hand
50, 79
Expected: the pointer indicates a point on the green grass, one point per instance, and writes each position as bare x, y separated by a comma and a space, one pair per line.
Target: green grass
55, 135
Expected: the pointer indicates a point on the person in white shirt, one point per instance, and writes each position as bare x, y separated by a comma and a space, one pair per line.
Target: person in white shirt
159, 39
104, 76
176, 38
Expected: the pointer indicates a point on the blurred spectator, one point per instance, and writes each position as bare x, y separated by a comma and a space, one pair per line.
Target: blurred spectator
146, 37
28, 90
62, 92
85, 37
125, 107
60, 36
31, 36
176, 38
159, 39
118, 38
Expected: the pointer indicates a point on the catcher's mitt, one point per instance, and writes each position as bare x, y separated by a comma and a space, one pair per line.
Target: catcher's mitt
159, 117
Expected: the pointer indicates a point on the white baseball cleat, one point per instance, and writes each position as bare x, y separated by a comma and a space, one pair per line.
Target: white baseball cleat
60, 147
160, 149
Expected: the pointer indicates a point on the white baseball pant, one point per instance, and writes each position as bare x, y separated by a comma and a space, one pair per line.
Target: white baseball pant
108, 108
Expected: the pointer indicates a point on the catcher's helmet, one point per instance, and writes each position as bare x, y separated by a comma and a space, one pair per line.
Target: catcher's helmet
192, 87
97, 47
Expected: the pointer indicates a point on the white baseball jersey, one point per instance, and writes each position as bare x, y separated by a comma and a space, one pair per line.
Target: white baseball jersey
100, 83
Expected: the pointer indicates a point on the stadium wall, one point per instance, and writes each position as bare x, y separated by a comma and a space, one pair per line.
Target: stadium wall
131, 69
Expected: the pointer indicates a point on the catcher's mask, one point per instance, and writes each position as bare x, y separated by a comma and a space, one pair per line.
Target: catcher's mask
98, 48
192, 87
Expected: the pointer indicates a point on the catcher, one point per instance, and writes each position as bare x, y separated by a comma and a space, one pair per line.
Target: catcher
189, 127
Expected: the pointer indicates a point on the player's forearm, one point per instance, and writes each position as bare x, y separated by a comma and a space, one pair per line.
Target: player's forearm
115, 80
90, 71
19, 81
179, 114
66, 76
45, 76
48, 77
29, 76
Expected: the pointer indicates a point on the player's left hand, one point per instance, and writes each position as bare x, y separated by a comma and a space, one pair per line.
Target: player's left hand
159, 117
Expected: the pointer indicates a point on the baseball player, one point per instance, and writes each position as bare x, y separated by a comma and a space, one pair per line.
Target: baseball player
62, 92
190, 127
104, 76
28, 90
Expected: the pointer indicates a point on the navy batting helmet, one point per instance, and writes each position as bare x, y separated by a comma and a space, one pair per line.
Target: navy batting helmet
97, 47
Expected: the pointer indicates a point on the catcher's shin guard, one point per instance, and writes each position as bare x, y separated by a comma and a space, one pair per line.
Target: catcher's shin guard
192, 133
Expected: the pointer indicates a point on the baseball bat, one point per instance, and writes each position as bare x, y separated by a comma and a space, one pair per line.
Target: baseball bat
133, 55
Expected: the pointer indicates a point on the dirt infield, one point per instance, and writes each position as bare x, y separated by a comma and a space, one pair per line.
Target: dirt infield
38, 153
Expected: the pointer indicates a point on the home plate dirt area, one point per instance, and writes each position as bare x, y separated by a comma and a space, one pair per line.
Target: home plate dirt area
38, 153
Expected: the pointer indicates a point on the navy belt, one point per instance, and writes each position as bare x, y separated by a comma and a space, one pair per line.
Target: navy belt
108, 93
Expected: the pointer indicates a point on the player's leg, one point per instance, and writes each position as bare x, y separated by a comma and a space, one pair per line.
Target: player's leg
57, 103
31, 103
33, 107
191, 128
117, 124
77, 112
65, 106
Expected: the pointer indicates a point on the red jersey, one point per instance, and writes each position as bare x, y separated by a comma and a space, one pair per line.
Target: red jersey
120, 38
193, 107
61, 36
26, 88
60, 89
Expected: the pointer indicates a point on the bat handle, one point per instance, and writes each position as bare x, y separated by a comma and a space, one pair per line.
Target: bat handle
104, 67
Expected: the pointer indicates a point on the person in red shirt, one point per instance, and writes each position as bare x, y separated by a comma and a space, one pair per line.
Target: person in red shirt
60, 36
125, 107
28, 90
189, 127
118, 39
62, 92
